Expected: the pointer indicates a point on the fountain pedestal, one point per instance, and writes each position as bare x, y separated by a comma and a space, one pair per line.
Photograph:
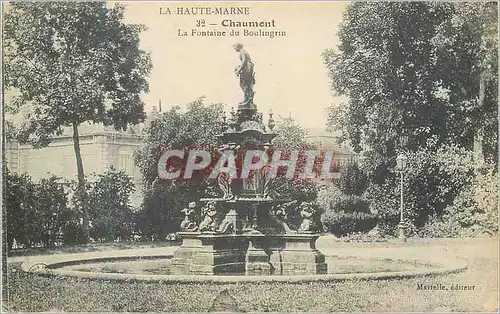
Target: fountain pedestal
219, 255
300, 256
249, 254
183, 256
257, 257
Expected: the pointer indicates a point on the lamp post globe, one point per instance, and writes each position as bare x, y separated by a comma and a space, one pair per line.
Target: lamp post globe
401, 162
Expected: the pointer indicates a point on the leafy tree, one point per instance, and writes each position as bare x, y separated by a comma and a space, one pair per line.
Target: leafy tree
73, 63
290, 135
197, 127
160, 211
352, 180
409, 75
419, 77
469, 72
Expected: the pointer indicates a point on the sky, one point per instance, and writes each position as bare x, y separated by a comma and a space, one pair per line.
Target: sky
291, 78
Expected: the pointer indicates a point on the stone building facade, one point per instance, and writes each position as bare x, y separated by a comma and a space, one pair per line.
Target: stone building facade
101, 148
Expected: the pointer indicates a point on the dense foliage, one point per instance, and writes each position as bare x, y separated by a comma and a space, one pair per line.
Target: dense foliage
447, 193
416, 70
37, 213
197, 127
291, 137
69, 63
421, 79
109, 208
346, 209
474, 210
73, 62
47, 213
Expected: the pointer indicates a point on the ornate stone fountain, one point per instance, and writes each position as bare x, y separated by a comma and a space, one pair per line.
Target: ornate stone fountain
246, 231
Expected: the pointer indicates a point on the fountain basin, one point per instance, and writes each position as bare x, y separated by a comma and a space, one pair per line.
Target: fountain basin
152, 265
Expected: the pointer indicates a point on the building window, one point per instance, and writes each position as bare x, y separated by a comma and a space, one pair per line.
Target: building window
125, 163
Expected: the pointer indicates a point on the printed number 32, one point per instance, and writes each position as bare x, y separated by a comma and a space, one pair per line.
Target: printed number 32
200, 23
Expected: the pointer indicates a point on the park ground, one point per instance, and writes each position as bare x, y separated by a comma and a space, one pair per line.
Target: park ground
30, 293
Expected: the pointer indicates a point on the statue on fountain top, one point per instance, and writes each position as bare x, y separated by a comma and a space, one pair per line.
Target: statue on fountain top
247, 76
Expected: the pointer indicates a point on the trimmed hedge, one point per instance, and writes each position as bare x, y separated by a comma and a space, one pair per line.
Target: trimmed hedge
348, 214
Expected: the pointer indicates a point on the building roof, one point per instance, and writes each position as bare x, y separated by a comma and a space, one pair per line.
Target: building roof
328, 140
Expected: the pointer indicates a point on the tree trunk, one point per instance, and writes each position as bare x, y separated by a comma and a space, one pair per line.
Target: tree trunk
81, 178
478, 132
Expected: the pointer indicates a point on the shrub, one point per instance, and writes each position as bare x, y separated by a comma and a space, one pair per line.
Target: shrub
344, 214
345, 208
384, 205
432, 182
155, 219
37, 212
353, 181
348, 214
342, 223
45, 213
51, 211
19, 202
160, 212
474, 212
109, 206
73, 232
300, 190
328, 193
485, 196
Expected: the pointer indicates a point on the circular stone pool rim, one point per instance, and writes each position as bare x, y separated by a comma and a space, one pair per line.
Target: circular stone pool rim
441, 268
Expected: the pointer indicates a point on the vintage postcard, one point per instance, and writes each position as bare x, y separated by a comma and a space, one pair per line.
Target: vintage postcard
269, 156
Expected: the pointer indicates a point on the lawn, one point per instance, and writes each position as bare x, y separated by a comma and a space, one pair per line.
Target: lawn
29, 293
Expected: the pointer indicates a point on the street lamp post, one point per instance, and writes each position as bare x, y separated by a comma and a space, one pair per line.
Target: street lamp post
401, 163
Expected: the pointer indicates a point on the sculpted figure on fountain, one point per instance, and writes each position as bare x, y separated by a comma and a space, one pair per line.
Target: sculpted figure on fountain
229, 222
311, 220
280, 215
209, 222
188, 224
